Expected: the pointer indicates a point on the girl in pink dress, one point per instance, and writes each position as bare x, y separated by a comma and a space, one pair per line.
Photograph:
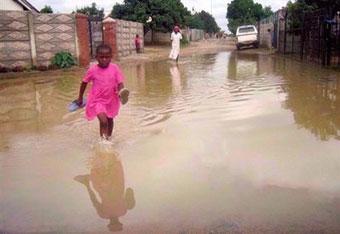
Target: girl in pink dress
107, 91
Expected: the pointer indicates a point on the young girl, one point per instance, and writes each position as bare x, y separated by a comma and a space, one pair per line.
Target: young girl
107, 91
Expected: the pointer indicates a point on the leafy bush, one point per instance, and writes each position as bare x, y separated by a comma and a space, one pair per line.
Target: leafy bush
18, 69
4, 69
42, 68
63, 59
52, 67
184, 41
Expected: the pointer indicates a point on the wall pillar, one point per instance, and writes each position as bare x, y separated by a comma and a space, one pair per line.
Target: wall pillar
109, 35
32, 39
82, 40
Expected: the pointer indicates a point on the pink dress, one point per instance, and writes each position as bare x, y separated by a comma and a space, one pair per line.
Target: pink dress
103, 97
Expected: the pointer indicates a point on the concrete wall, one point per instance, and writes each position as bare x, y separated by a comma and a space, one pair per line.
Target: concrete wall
28, 39
15, 46
53, 33
164, 38
196, 34
269, 27
266, 31
158, 37
125, 33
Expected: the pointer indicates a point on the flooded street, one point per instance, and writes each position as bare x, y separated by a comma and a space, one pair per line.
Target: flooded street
221, 143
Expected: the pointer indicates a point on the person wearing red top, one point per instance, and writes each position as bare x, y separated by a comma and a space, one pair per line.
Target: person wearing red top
138, 43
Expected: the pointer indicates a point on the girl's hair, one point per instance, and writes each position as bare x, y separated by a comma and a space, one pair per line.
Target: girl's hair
102, 47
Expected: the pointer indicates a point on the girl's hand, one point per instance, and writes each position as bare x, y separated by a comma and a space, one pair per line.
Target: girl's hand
79, 101
124, 95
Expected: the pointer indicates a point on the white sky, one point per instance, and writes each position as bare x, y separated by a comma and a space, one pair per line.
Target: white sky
218, 7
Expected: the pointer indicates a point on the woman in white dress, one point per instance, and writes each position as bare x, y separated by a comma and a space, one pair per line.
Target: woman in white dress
176, 38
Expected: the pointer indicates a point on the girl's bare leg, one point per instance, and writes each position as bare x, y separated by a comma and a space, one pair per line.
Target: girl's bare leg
103, 125
110, 126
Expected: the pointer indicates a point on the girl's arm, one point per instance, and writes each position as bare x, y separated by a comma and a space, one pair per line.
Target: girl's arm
120, 86
81, 93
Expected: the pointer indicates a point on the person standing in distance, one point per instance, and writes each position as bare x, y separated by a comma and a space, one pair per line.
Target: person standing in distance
176, 38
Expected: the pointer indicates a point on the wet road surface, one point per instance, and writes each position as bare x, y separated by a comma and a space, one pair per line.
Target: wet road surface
221, 143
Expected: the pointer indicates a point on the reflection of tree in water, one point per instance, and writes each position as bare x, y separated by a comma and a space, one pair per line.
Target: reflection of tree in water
314, 98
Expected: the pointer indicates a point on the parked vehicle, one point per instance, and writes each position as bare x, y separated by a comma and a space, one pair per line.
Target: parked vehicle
247, 35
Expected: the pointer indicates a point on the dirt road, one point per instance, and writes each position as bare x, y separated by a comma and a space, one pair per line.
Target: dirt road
154, 53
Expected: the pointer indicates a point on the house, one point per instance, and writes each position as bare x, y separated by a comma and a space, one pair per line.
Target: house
17, 5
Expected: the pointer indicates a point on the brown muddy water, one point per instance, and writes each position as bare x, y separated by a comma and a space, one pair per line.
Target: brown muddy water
223, 143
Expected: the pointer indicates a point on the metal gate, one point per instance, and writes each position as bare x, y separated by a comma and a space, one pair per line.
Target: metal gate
318, 38
96, 33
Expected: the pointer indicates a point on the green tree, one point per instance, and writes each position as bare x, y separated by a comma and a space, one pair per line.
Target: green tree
194, 21
297, 9
242, 12
92, 10
332, 5
295, 13
209, 23
165, 14
46, 9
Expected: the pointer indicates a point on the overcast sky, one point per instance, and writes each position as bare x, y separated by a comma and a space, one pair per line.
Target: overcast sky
218, 7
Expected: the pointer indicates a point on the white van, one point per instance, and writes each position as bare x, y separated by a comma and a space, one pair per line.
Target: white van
247, 36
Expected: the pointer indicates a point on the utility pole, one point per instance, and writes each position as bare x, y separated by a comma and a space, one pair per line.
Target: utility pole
211, 7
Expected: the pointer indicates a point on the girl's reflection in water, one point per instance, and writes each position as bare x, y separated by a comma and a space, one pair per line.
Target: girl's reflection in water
107, 179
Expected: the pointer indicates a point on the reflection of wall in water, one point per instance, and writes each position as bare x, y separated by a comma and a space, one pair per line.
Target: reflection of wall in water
35, 104
18, 106
266, 64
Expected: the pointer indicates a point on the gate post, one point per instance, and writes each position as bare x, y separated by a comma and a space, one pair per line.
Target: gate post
109, 35
82, 39
302, 38
285, 34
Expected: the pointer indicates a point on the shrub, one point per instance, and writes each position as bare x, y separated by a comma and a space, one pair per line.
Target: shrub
63, 59
52, 67
42, 68
184, 41
4, 69
18, 69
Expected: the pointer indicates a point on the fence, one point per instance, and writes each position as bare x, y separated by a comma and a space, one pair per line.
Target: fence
315, 36
28, 39
269, 29
96, 33
126, 32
